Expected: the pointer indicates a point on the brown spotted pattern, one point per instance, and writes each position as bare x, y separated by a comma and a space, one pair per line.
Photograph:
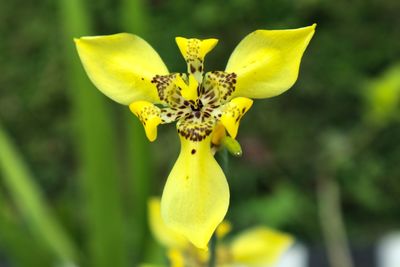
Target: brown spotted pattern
193, 60
195, 129
147, 112
167, 90
196, 118
223, 81
234, 111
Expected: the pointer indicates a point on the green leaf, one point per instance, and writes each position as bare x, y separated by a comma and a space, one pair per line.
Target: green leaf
95, 142
30, 203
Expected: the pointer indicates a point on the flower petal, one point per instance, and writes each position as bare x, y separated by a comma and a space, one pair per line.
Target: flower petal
260, 245
121, 66
194, 51
223, 229
149, 115
196, 195
176, 258
164, 235
190, 90
233, 113
267, 62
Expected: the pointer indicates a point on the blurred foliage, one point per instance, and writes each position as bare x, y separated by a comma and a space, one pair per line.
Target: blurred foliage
341, 117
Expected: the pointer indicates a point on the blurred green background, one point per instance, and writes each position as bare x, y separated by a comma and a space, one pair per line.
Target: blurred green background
320, 161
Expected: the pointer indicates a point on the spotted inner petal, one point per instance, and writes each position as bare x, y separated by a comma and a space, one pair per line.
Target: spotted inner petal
196, 128
220, 83
194, 51
196, 103
167, 89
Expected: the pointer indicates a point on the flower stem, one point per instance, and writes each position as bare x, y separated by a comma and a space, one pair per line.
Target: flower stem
331, 219
213, 250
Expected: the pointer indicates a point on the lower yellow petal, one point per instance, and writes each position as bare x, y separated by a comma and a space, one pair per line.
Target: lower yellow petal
196, 195
260, 245
164, 235
233, 113
149, 115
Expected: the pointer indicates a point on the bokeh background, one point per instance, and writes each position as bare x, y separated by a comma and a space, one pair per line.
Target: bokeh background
320, 162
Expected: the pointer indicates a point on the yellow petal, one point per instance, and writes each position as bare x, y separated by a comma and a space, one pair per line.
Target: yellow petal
149, 115
233, 113
223, 229
164, 235
195, 48
267, 62
218, 134
196, 195
194, 51
176, 258
121, 66
260, 245
188, 91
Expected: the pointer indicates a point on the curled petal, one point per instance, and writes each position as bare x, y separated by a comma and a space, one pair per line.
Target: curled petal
267, 62
163, 234
121, 66
260, 246
233, 113
149, 116
196, 195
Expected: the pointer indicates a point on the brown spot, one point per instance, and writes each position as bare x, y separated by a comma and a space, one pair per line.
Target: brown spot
192, 69
193, 151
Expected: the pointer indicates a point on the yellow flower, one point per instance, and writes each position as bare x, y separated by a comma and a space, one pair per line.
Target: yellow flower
128, 70
258, 246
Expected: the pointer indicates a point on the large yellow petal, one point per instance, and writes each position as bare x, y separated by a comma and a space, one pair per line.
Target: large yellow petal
267, 62
164, 235
259, 245
121, 66
196, 195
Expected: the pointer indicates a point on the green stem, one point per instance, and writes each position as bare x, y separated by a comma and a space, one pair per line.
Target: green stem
332, 223
213, 251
